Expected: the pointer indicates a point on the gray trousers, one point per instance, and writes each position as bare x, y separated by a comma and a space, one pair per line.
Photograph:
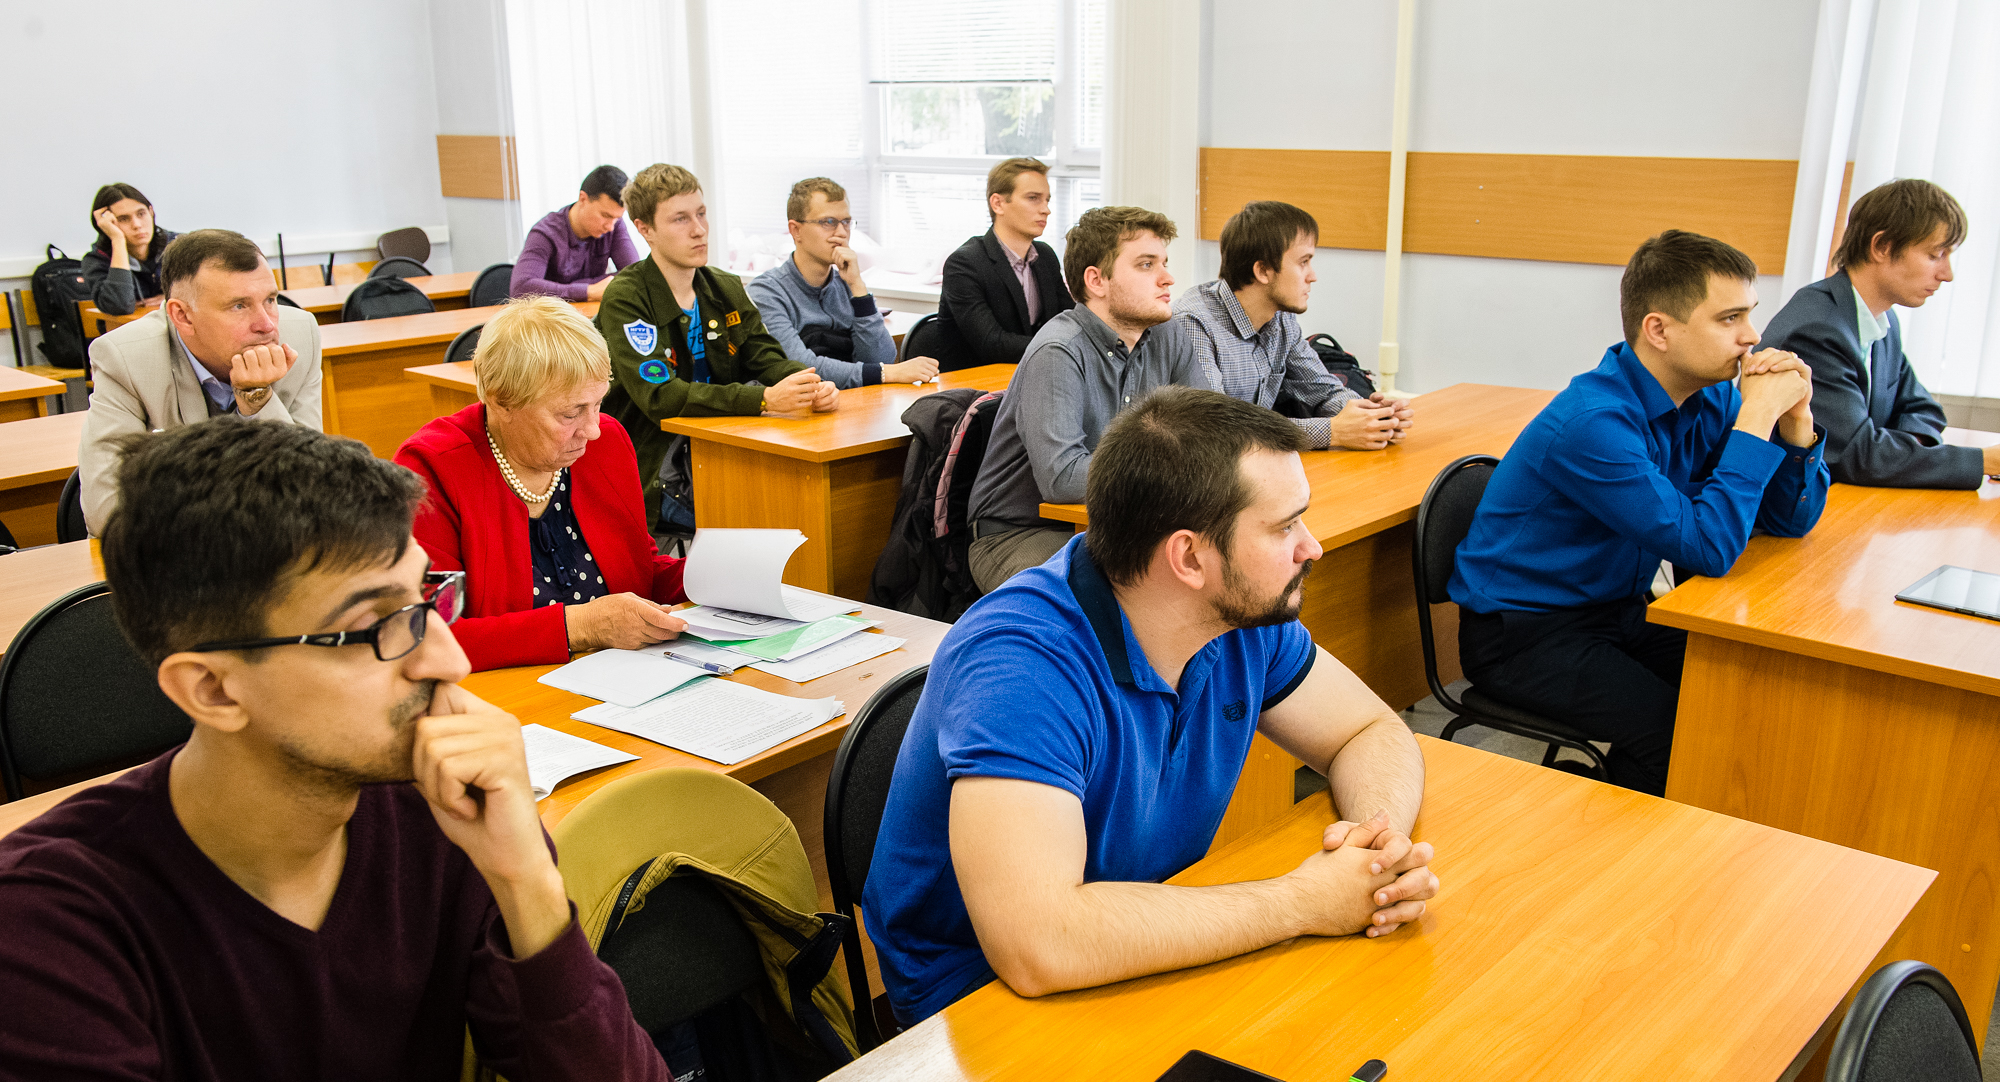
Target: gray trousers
996, 557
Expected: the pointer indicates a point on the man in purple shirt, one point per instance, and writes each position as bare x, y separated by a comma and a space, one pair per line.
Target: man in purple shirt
566, 253
342, 873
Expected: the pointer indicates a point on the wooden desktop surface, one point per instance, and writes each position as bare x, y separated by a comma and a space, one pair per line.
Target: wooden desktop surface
366, 394
24, 394
869, 419
37, 455
31, 578
442, 289
1583, 932
1813, 701
96, 321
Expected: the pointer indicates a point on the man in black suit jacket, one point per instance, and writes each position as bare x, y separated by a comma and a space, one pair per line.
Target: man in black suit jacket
986, 314
1882, 427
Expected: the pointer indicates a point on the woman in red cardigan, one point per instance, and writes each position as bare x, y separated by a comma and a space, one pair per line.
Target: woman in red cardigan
552, 539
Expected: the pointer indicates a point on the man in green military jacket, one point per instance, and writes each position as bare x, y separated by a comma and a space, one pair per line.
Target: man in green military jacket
685, 340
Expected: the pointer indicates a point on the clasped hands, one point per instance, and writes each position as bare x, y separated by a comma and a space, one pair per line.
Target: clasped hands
1367, 877
253, 371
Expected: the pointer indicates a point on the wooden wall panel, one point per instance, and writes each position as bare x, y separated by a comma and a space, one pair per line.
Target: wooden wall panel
477, 167
1557, 208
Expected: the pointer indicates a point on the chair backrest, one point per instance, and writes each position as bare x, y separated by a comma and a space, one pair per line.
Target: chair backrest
398, 267
858, 788
410, 242
1906, 1022
1443, 519
689, 930
74, 696
492, 286
69, 510
463, 346
379, 298
925, 338
288, 302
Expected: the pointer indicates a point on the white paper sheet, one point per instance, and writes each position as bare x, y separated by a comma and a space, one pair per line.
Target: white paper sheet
555, 756
625, 677
717, 719
744, 570
852, 650
732, 625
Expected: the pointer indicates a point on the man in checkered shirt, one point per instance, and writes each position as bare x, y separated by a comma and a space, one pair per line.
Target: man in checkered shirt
1245, 330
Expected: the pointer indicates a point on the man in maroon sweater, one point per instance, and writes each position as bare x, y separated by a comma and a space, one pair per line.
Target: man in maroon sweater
342, 869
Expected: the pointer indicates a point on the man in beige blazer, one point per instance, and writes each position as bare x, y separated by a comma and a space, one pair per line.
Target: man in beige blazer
221, 343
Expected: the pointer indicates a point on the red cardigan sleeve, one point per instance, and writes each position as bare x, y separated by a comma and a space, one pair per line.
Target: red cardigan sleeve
495, 632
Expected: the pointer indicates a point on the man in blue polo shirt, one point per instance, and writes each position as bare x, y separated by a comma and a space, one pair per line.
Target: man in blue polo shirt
1652, 456
1083, 727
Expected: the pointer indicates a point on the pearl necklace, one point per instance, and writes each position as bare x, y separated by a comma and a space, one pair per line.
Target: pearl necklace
513, 482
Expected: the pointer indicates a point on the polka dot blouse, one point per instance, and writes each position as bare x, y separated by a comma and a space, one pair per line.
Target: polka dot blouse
565, 573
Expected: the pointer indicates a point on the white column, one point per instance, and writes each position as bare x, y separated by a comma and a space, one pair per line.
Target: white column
1152, 154
1839, 54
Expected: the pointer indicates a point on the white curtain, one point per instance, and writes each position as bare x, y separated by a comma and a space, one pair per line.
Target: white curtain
1932, 110
1911, 88
595, 82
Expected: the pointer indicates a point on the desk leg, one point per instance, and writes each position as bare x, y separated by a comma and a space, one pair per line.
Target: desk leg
742, 489
329, 399
1887, 764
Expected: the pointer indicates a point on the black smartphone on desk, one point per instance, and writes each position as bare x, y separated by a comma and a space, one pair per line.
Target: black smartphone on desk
1202, 1067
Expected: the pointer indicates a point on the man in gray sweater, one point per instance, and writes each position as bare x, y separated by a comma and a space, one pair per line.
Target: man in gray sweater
1081, 370
816, 305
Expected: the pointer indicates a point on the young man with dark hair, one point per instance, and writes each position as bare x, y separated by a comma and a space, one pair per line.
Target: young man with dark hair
1082, 730
342, 871
815, 303
685, 339
1654, 455
1002, 287
567, 253
1084, 366
1882, 426
220, 344
1245, 329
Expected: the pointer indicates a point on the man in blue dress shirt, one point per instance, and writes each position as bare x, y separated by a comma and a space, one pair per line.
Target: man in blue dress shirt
1652, 456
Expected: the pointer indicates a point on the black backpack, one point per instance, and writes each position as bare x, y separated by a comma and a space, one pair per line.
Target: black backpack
925, 567
58, 284
382, 298
1341, 365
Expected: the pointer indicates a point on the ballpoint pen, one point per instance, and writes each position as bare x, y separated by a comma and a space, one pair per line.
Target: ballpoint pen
719, 670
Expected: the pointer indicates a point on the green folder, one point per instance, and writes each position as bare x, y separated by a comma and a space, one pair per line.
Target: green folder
790, 644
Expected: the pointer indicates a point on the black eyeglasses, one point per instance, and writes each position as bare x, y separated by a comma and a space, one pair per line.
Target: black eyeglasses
393, 636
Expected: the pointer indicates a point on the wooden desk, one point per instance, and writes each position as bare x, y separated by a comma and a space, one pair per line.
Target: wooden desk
1360, 601
97, 322
32, 578
447, 291
366, 396
834, 476
1607, 949
1814, 701
36, 456
452, 388
24, 394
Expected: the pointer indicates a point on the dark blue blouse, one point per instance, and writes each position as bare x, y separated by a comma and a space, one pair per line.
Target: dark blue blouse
565, 572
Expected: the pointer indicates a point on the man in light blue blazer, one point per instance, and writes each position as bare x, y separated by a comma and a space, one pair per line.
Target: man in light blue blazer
1882, 427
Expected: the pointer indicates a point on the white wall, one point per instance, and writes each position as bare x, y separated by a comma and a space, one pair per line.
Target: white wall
469, 55
1697, 78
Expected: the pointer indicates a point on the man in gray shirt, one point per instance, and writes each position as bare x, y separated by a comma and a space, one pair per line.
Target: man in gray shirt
1083, 367
816, 305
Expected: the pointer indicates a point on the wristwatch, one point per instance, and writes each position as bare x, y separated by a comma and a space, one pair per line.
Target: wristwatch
254, 397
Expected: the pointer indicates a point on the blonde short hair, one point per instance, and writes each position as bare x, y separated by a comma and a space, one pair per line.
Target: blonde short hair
654, 185
535, 348
800, 201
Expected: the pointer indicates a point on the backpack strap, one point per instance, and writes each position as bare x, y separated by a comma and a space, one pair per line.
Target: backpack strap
805, 972
940, 521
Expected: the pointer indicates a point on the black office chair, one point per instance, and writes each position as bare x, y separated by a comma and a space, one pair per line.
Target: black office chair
398, 267
462, 347
492, 286
927, 339
409, 242
1443, 520
856, 793
289, 303
1906, 1022
684, 952
75, 698
380, 298
69, 510
7, 542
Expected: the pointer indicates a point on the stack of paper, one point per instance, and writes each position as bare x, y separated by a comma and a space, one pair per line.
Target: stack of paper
625, 677
743, 571
852, 650
717, 719
555, 756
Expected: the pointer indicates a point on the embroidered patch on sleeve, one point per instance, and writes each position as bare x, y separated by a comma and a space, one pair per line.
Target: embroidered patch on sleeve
733, 318
655, 371
643, 336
